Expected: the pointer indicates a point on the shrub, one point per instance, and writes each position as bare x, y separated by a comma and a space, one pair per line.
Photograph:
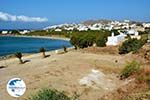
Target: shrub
131, 45
48, 94
129, 69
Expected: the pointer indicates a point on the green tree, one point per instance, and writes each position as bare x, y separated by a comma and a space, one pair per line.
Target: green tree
15, 32
101, 41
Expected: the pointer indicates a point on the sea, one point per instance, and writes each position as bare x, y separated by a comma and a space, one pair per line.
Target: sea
11, 44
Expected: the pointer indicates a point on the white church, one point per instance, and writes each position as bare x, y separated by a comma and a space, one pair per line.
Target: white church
115, 40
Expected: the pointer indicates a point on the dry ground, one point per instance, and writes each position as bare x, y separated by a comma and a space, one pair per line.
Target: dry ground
63, 72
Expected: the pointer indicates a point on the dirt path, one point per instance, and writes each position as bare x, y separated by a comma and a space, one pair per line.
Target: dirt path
64, 72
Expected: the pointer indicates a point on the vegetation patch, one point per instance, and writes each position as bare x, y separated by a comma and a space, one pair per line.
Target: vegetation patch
130, 69
51, 94
131, 45
48, 94
86, 39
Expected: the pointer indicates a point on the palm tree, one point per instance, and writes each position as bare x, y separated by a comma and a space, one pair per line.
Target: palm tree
75, 47
19, 56
65, 49
43, 51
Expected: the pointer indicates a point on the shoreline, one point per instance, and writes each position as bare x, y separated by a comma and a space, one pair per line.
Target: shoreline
11, 56
43, 37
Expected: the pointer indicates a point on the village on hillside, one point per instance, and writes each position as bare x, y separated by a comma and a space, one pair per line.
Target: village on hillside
124, 28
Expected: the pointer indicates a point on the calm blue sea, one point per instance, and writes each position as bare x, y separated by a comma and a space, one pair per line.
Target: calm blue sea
10, 45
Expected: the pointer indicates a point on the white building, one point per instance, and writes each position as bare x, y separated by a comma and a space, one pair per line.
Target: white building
96, 26
133, 34
4, 32
115, 40
82, 28
24, 32
108, 27
58, 30
69, 28
146, 25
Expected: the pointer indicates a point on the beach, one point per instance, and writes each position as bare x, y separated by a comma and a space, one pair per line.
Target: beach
34, 36
45, 37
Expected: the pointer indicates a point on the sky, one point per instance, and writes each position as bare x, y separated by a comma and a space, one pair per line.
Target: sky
41, 13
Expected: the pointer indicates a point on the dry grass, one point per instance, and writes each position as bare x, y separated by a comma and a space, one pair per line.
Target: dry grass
144, 76
102, 50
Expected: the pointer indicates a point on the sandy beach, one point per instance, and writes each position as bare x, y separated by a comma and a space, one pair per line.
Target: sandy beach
46, 37
63, 72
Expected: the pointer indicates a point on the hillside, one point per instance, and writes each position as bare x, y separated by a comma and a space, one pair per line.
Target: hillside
91, 22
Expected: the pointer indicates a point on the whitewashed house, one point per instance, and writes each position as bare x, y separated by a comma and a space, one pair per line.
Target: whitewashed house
82, 28
108, 27
146, 25
58, 30
95, 27
133, 34
115, 40
4, 32
69, 28
24, 31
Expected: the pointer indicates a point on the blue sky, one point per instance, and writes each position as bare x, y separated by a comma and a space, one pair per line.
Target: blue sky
40, 13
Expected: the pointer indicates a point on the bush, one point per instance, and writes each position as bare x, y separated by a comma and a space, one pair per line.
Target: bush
129, 69
48, 94
131, 45
87, 39
101, 42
